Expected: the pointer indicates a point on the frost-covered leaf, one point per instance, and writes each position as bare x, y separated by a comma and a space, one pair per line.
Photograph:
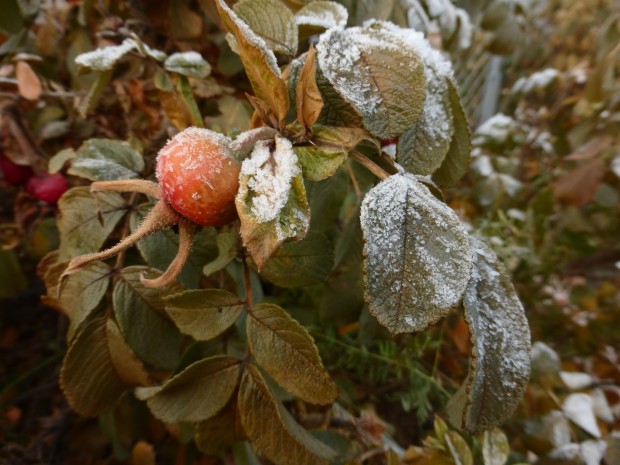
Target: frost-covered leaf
195, 394
271, 428
88, 377
418, 255
190, 64
227, 251
304, 263
160, 248
128, 366
579, 408
285, 350
103, 59
82, 292
271, 200
79, 222
377, 74
456, 162
495, 447
500, 336
204, 313
272, 21
140, 314
259, 62
220, 431
309, 102
106, 160
320, 16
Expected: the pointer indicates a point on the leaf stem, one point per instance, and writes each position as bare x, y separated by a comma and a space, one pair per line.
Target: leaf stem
369, 164
248, 282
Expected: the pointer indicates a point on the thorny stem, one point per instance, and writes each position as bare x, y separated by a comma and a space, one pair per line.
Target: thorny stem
369, 164
140, 186
120, 258
248, 282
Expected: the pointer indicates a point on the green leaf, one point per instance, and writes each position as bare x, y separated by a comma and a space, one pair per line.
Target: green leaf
204, 313
220, 431
304, 263
286, 351
198, 392
348, 138
259, 62
271, 428
234, 116
271, 200
89, 102
106, 160
458, 448
377, 74
190, 64
128, 366
336, 111
495, 447
318, 163
160, 248
272, 21
78, 223
227, 251
12, 279
88, 377
140, 314
456, 162
187, 97
320, 16
57, 162
82, 292
500, 336
418, 256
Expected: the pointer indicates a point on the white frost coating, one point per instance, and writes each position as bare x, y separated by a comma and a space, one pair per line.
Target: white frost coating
322, 14
498, 128
537, 81
253, 38
500, 336
270, 177
197, 65
466, 29
103, 59
593, 451
417, 255
579, 408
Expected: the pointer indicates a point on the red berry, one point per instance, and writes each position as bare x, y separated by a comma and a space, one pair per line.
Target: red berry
14, 174
47, 187
199, 177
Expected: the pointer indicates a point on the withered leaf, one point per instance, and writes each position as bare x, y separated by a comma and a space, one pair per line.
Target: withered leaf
308, 97
28, 83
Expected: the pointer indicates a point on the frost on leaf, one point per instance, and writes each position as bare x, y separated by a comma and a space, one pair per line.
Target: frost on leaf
103, 59
271, 200
321, 15
378, 74
190, 64
417, 255
500, 335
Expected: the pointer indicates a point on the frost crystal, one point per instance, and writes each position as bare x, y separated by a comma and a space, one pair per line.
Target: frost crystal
418, 256
103, 59
270, 177
322, 14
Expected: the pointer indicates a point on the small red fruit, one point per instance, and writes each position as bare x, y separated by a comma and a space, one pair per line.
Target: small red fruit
13, 173
47, 187
199, 177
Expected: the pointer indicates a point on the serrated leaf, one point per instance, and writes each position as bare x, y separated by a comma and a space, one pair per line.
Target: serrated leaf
272, 21
227, 251
271, 200
160, 248
220, 431
318, 163
285, 350
500, 336
140, 314
336, 111
87, 377
271, 428
309, 102
304, 263
106, 160
198, 392
78, 223
377, 74
128, 366
190, 64
495, 447
456, 162
320, 16
418, 257
259, 62
204, 313
82, 292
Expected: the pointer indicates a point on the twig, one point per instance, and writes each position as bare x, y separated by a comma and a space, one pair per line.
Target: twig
248, 282
369, 164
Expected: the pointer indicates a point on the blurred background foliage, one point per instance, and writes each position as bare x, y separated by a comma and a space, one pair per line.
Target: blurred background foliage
541, 83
